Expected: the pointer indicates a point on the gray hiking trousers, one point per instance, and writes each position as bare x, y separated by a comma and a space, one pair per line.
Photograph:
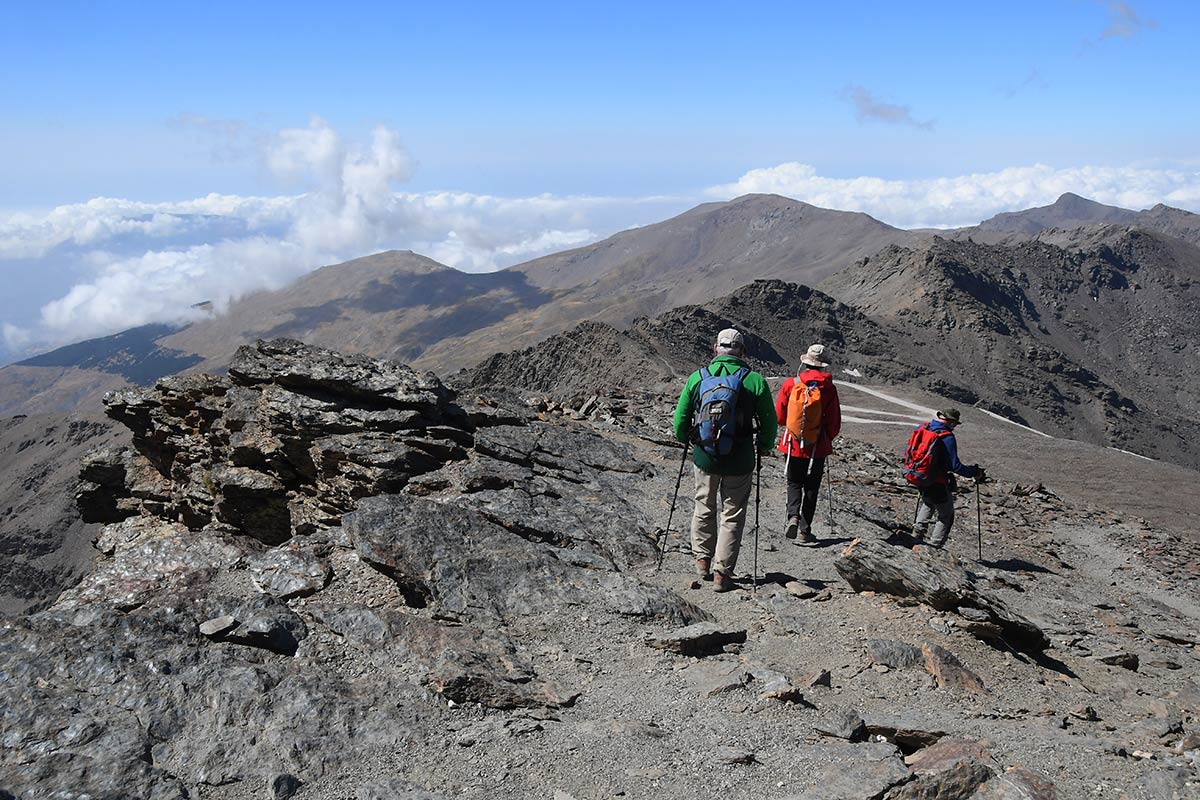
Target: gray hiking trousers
939, 501
719, 540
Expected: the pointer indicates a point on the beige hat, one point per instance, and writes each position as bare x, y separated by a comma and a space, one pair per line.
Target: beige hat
731, 340
815, 357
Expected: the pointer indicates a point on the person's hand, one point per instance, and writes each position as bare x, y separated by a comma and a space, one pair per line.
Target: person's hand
980, 474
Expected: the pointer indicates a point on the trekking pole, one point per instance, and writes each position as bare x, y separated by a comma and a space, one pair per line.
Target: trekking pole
757, 487
829, 486
979, 519
667, 533
787, 465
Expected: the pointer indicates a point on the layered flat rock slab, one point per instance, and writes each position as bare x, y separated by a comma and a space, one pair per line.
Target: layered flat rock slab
395, 789
710, 678
856, 772
287, 572
160, 563
294, 364
1017, 783
936, 580
458, 561
958, 782
90, 694
463, 663
945, 753
700, 639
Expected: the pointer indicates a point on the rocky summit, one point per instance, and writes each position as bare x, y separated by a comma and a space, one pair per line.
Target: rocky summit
329, 576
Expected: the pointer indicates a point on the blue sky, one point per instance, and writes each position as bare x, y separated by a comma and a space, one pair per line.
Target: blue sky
554, 124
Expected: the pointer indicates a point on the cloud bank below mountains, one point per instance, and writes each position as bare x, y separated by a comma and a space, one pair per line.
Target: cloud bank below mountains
969, 199
111, 264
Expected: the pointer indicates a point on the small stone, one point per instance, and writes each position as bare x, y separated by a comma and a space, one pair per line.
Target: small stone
218, 626
881, 668
844, 724
282, 786
803, 591
813, 679
949, 671
1191, 741
735, 755
701, 639
1121, 658
1085, 713
893, 654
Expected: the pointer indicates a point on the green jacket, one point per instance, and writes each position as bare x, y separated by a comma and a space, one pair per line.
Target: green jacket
742, 460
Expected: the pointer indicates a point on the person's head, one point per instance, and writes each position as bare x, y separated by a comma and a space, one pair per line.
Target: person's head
729, 343
950, 416
815, 357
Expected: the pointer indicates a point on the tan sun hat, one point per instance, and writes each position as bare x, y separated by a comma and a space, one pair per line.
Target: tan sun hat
815, 356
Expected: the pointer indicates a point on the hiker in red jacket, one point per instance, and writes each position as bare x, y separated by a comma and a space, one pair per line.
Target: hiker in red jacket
937, 496
808, 406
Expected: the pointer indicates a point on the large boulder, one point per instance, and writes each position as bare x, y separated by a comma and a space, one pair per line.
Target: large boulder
938, 580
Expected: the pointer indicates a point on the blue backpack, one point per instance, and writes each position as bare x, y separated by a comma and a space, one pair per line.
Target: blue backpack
716, 418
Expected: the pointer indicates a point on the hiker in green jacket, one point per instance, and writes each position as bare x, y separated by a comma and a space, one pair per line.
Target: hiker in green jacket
727, 446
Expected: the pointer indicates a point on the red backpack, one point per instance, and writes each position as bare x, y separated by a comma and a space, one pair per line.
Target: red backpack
918, 457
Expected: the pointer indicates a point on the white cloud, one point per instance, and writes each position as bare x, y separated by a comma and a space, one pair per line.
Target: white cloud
968, 199
149, 262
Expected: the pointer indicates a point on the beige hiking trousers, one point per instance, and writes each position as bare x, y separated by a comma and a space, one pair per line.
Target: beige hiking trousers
719, 540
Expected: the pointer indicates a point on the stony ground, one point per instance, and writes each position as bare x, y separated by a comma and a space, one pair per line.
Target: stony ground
444, 656
655, 724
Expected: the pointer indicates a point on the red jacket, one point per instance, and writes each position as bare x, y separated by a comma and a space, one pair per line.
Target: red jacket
831, 414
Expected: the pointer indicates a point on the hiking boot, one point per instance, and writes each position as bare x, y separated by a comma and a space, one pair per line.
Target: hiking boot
792, 525
722, 582
806, 535
704, 568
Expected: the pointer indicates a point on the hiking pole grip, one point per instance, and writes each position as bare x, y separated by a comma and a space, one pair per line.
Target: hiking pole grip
662, 549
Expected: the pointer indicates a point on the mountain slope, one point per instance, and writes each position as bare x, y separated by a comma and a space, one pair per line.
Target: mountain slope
391, 304
404, 306
716, 248
779, 320
44, 546
1068, 211
1096, 342
1072, 211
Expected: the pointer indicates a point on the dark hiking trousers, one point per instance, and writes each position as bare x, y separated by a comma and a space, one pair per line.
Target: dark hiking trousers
804, 487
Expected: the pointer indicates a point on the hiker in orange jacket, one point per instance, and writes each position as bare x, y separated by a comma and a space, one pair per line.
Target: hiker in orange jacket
821, 422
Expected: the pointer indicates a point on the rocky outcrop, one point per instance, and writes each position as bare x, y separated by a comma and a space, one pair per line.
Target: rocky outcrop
936, 579
316, 548
286, 444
